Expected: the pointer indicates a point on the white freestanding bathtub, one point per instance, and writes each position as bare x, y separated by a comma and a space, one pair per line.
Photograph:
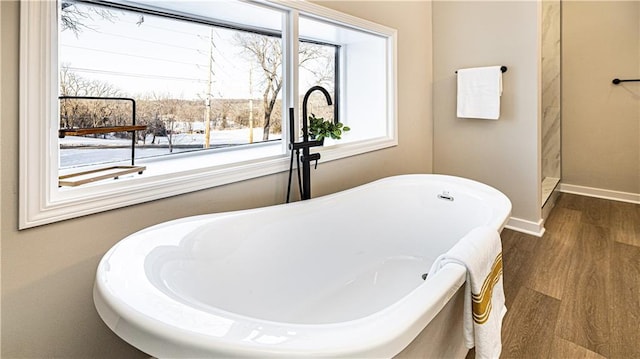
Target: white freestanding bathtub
335, 276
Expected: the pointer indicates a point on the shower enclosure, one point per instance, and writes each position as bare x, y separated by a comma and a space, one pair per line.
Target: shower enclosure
551, 98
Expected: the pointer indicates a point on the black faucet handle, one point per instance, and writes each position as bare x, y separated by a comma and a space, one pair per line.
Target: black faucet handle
311, 157
314, 157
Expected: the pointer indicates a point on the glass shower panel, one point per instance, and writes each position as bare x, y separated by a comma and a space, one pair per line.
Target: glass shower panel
551, 70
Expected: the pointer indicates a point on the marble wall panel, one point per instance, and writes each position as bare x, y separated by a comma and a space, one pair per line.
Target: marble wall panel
551, 22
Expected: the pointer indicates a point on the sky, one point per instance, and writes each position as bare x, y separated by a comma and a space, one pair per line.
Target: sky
160, 56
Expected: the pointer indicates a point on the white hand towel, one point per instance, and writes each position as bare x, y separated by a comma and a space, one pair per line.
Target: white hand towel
480, 251
479, 91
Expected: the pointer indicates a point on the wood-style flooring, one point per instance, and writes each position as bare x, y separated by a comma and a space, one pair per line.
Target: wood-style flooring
575, 292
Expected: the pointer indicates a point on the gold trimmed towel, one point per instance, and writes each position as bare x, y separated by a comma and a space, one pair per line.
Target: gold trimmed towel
480, 251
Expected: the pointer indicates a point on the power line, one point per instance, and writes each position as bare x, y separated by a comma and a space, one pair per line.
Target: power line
128, 74
172, 30
131, 55
149, 41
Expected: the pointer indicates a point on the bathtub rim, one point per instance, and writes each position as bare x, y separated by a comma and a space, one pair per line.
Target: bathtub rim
402, 322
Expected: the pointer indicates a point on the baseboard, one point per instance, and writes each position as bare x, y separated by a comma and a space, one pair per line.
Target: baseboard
600, 193
524, 226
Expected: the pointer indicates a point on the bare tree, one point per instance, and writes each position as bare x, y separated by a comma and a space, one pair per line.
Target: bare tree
170, 109
267, 52
89, 113
74, 16
323, 67
70, 83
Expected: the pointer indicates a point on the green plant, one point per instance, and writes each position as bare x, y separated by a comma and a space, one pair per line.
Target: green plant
319, 128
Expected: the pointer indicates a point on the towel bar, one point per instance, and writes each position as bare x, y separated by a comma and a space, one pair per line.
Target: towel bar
617, 81
504, 69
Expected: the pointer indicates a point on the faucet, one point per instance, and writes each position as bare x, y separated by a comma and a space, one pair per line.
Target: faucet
306, 143
304, 108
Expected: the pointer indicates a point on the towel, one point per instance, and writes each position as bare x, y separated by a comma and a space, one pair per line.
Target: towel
479, 91
480, 251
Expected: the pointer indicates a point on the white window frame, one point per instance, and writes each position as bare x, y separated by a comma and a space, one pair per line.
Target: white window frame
40, 201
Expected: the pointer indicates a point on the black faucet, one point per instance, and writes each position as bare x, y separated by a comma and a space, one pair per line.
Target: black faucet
306, 143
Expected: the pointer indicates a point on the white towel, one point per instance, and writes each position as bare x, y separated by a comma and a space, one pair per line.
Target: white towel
479, 91
480, 251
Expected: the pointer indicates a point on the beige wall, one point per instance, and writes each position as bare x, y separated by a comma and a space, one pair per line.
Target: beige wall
502, 153
47, 272
1, 71
601, 121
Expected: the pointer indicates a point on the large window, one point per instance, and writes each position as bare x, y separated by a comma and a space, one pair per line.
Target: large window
184, 100
196, 85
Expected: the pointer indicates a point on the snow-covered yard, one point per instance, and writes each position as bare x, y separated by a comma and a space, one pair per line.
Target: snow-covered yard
80, 151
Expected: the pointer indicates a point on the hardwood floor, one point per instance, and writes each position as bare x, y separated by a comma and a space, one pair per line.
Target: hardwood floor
575, 292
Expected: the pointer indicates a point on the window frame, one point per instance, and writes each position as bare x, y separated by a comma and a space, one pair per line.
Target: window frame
40, 201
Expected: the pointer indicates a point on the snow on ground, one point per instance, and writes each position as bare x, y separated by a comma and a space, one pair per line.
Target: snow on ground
80, 151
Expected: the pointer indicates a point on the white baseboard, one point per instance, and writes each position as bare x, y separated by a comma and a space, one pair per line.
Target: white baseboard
600, 193
537, 228
524, 226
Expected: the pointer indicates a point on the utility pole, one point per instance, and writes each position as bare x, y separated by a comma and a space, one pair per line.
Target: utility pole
207, 117
251, 105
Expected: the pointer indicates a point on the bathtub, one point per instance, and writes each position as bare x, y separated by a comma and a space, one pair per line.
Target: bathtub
335, 276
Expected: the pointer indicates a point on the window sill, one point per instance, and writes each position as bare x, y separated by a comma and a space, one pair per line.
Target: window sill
161, 180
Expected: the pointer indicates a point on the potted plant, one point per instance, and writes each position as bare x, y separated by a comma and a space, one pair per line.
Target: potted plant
319, 128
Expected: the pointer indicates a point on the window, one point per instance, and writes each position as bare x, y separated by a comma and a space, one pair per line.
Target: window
207, 93
196, 86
